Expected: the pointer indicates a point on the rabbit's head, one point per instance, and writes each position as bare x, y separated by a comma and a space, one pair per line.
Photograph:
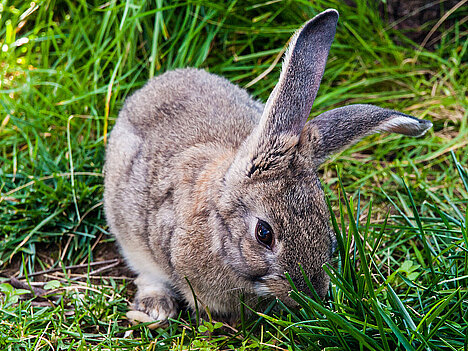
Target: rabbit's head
272, 215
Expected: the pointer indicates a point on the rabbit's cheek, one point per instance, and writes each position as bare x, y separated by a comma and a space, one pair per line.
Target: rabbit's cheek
257, 265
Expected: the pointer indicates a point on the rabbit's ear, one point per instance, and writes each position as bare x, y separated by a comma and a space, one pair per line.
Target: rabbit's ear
289, 105
341, 127
272, 143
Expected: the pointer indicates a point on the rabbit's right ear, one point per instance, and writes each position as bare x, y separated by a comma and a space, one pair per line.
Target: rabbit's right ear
289, 105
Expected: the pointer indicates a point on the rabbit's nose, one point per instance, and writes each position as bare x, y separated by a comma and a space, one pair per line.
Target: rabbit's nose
320, 282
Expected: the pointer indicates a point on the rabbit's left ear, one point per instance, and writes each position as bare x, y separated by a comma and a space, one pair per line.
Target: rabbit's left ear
341, 127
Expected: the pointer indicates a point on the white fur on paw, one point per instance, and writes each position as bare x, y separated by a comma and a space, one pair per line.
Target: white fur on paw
137, 317
156, 305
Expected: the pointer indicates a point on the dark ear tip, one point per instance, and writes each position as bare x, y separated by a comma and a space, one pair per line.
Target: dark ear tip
330, 13
327, 16
324, 22
423, 123
427, 124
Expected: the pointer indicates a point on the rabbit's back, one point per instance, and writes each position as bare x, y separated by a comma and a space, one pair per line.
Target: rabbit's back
185, 107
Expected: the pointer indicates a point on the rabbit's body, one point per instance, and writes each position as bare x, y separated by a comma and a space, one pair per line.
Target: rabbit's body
205, 185
197, 122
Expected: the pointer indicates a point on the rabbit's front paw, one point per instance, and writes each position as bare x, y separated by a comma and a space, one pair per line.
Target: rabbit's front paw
153, 305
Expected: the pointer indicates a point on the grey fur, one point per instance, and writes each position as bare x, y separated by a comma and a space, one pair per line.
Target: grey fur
193, 162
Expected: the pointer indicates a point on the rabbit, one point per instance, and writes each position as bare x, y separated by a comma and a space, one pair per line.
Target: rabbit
208, 189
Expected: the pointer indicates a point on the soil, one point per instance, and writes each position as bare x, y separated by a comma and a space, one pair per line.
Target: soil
107, 262
416, 18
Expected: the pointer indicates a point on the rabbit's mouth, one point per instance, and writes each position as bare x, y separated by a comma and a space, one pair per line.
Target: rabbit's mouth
279, 287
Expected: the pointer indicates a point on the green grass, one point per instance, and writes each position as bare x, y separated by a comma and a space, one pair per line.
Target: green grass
400, 204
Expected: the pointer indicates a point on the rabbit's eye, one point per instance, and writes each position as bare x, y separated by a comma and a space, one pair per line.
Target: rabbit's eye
264, 233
